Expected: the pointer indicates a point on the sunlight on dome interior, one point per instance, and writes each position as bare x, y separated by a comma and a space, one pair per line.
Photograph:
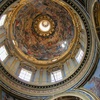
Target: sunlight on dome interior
48, 49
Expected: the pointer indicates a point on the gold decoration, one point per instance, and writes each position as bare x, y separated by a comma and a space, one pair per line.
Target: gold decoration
47, 23
67, 55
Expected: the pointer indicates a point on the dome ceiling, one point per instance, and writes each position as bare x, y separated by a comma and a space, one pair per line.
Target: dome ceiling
43, 30
44, 36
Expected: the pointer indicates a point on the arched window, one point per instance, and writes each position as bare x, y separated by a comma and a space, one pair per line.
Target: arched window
2, 19
3, 53
79, 55
56, 76
25, 74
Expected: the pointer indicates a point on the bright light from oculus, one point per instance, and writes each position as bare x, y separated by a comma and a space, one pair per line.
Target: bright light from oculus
44, 25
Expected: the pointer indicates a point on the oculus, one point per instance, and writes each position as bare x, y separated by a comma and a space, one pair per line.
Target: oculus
44, 25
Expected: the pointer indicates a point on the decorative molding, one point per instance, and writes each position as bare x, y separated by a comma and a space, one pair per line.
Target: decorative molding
60, 86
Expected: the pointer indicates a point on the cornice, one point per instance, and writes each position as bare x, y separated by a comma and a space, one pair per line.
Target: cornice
5, 4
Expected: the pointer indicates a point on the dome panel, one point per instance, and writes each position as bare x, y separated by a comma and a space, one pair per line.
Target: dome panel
39, 44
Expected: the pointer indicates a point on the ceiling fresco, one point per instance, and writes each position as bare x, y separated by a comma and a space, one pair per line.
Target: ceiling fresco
38, 32
44, 47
